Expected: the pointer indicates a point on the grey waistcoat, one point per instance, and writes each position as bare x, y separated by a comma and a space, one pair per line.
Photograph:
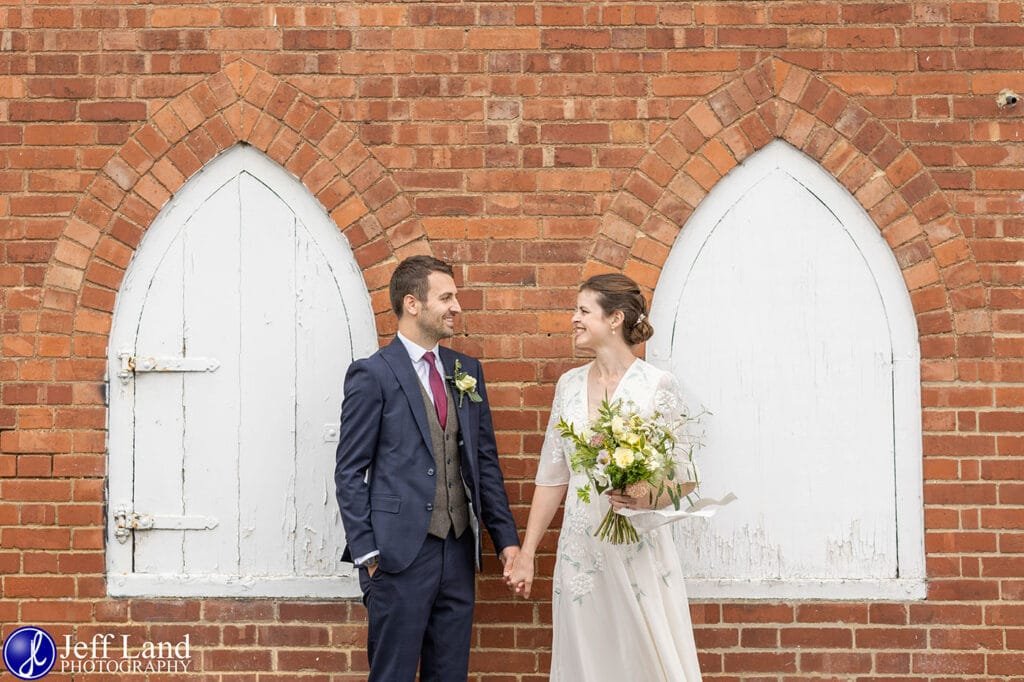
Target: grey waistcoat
450, 512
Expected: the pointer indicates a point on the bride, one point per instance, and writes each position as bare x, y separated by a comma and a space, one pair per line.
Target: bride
620, 611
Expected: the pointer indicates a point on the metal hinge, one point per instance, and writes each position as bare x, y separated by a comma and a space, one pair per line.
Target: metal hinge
130, 365
126, 521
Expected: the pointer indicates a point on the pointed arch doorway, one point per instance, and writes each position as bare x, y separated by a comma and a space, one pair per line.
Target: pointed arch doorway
237, 318
784, 312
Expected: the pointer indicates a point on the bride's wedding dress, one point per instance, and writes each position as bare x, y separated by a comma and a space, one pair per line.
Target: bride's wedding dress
620, 611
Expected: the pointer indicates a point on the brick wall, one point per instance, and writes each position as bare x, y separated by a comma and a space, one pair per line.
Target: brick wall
531, 144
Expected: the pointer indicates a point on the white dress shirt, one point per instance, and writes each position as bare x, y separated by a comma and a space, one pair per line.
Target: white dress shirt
416, 352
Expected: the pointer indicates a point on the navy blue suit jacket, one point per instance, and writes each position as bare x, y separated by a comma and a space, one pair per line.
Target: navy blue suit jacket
384, 431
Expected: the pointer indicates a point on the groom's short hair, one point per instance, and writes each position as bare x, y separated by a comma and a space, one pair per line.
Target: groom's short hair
411, 277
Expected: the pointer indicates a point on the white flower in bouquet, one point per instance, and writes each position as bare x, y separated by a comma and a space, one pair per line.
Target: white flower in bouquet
623, 457
618, 425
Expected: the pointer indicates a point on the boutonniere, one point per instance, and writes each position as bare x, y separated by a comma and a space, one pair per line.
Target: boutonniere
464, 384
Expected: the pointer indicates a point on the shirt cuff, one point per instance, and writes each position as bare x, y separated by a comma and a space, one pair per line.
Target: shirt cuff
361, 560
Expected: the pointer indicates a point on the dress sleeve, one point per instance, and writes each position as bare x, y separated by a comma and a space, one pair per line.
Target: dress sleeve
553, 468
669, 401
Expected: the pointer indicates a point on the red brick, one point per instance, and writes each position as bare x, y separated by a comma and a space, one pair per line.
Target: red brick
761, 662
868, 13
998, 35
316, 39
38, 586
113, 111
757, 613
504, 38
835, 662
752, 37
934, 663
165, 611
35, 538
575, 133
312, 659
236, 659
42, 111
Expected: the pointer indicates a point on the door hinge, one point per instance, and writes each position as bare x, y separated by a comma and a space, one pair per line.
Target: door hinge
131, 364
126, 520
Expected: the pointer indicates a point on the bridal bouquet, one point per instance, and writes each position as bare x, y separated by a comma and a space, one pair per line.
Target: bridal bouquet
624, 451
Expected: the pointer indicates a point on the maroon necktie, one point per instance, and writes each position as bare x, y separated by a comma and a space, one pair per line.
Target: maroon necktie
437, 388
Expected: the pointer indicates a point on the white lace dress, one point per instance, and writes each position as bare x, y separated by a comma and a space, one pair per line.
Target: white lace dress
620, 611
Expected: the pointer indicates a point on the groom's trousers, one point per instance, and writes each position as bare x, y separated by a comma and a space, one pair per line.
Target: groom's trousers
423, 617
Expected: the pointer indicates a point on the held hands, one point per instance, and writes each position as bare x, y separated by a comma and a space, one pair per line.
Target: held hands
508, 556
519, 574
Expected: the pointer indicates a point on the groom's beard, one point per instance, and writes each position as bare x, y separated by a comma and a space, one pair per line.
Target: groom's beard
435, 328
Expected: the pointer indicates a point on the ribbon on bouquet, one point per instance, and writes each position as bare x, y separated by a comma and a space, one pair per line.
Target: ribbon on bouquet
645, 520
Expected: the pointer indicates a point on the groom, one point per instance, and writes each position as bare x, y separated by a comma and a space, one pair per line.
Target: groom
416, 471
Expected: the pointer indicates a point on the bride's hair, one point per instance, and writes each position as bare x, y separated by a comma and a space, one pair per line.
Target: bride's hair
618, 292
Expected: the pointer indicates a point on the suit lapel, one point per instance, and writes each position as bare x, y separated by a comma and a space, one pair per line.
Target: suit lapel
448, 361
468, 448
398, 359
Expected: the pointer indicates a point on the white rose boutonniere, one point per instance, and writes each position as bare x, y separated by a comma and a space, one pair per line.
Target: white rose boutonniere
464, 384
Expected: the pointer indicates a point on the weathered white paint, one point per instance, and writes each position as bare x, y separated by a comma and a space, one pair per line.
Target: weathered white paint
782, 310
243, 267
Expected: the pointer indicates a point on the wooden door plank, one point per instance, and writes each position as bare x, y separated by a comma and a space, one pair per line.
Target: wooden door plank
212, 399
324, 350
267, 425
158, 446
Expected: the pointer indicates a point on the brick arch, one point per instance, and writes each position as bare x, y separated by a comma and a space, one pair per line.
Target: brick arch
241, 104
775, 99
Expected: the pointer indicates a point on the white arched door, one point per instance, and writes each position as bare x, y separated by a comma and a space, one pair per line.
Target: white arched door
238, 316
782, 311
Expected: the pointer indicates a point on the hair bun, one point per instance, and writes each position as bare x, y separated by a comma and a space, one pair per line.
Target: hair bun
641, 331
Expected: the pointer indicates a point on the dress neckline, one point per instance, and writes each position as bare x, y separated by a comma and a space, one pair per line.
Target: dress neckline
611, 398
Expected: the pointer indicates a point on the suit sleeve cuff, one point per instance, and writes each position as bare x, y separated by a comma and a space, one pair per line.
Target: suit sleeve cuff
361, 560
